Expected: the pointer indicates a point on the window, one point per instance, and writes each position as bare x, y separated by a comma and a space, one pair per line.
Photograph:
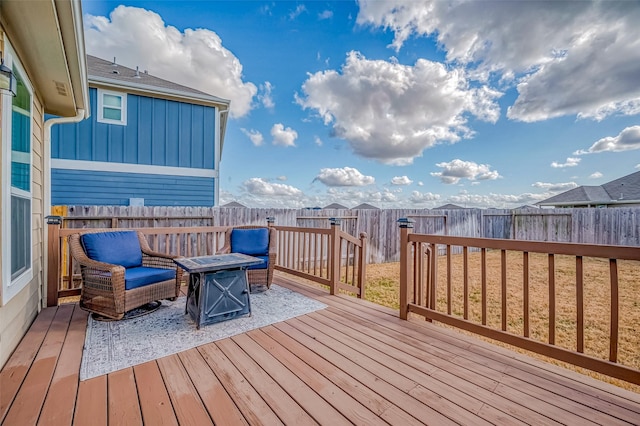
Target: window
112, 107
16, 182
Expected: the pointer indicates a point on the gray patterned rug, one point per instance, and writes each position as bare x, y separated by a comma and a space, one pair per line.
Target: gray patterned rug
114, 345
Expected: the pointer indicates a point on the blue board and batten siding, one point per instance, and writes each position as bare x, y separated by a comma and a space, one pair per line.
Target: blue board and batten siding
158, 132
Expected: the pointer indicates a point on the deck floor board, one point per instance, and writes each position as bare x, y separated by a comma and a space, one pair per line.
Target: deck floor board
352, 363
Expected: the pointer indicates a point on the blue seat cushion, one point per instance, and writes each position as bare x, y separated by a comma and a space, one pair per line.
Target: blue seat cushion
142, 275
263, 265
118, 248
250, 241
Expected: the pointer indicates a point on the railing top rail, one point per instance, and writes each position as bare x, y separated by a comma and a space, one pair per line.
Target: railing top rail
350, 238
150, 231
73, 218
572, 249
323, 231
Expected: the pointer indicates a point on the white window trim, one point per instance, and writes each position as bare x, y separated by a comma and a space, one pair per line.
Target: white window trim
123, 109
11, 288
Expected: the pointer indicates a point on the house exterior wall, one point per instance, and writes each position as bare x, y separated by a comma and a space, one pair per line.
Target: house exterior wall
168, 147
95, 188
19, 312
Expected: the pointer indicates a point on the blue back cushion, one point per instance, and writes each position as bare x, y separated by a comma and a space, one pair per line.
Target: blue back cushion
250, 241
118, 248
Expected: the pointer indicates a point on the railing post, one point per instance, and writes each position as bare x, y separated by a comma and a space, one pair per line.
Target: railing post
362, 263
406, 225
334, 267
53, 258
271, 221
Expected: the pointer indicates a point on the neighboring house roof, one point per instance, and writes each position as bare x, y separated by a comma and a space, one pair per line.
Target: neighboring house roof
620, 191
335, 206
233, 204
448, 207
365, 206
49, 38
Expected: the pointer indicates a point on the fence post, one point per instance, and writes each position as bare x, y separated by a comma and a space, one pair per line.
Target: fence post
406, 226
53, 258
362, 263
334, 243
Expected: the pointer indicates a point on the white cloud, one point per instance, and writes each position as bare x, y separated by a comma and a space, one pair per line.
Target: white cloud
595, 175
496, 200
458, 169
392, 112
139, 37
282, 178
265, 95
283, 136
260, 187
637, 166
420, 197
317, 140
420, 184
566, 57
326, 14
555, 187
297, 11
255, 136
401, 180
627, 140
346, 176
571, 162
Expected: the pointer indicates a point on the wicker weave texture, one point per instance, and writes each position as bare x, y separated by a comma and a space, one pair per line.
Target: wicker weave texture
103, 289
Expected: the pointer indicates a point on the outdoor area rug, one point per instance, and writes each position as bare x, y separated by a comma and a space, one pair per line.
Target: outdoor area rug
113, 345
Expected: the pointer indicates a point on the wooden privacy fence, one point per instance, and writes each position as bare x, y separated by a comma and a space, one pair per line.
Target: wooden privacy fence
327, 256
618, 226
480, 293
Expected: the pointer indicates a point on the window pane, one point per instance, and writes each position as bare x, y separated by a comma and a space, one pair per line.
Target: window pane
112, 114
21, 137
111, 101
20, 235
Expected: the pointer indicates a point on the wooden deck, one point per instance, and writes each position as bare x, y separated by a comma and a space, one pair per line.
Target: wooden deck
352, 363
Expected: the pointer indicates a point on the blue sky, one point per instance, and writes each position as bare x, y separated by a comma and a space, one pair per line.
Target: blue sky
400, 104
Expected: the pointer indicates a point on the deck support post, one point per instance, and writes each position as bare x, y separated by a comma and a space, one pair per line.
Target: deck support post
362, 263
406, 226
334, 243
54, 223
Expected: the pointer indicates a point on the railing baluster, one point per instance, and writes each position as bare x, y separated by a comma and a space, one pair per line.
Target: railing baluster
613, 348
418, 271
579, 305
525, 289
552, 300
483, 273
449, 279
465, 281
503, 281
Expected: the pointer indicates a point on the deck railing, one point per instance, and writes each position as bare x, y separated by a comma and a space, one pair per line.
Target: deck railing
497, 303
305, 252
327, 256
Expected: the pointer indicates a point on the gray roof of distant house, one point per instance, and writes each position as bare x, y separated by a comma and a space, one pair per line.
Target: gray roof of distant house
100, 71
365, 206
448, 207
616, 191
335, 206
233, 204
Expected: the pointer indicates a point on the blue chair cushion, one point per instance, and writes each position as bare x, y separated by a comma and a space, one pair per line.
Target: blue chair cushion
263, 265
250, 241
142, 275
118, 248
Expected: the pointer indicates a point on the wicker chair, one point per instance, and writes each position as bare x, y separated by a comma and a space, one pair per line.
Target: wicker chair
110, 289
260, 274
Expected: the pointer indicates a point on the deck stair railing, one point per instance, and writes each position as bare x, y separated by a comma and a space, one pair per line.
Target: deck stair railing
306, 252
463, 291
326, 256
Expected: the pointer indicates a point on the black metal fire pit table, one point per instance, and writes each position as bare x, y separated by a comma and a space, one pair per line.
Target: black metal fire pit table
218, 286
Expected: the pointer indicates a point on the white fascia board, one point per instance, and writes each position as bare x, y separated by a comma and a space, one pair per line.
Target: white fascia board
160, 92
103, 166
